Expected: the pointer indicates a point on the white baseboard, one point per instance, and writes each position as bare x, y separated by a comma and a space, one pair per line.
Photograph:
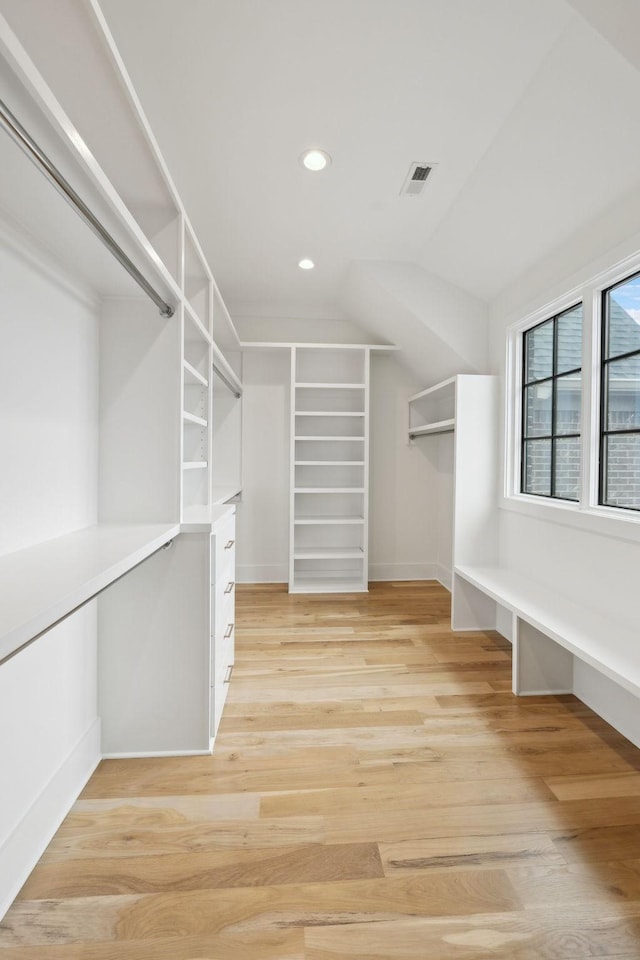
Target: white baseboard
158, 754
262, 573
403, 571
25, 845
445, 576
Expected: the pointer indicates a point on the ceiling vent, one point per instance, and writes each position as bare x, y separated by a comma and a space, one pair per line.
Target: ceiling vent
416, 179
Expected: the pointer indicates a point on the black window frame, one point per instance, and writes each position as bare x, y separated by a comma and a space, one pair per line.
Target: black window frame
552, 379
603, 432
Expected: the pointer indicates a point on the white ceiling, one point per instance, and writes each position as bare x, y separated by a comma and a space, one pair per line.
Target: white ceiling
530, 113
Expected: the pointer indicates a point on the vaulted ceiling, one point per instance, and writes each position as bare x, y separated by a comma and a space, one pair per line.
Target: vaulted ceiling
529, 108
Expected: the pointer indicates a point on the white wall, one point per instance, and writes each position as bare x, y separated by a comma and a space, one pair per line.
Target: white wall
440, 329
48, 441
592, 566
404, 479
262, 531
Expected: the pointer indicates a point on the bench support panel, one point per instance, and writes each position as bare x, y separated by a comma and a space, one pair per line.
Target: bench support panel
471, 609
540, 665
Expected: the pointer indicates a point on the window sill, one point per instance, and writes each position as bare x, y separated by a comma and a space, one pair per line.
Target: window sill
602, 521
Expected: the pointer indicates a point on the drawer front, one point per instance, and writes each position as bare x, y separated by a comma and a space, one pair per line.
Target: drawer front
226, 657
224, 559
225, 592
223, 612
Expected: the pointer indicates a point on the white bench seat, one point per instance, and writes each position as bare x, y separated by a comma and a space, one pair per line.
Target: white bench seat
548, 630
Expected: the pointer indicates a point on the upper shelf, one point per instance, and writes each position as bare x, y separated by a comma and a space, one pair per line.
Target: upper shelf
82, 111
29, 200
42, 584
432, 411
440, 426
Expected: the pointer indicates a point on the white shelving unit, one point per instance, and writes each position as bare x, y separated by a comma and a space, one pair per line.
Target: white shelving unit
103, 608
329, 468
157, 466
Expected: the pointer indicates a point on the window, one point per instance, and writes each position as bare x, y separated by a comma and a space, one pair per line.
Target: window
620, 396
552, 406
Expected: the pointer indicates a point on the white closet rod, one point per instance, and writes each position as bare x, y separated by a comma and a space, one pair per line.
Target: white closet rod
227, 383
20, 136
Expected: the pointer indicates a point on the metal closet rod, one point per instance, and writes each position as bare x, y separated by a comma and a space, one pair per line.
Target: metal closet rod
20, 136
227, 383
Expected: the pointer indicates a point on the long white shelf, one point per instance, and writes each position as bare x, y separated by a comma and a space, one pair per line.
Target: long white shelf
328, 490
329, 463
328, 553
42, 584
287, 344
328, 413
310, 520
313, 385
339, 439
194, 376
440, 426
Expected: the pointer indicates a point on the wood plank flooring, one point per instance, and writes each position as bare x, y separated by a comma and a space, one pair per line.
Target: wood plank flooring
376, 793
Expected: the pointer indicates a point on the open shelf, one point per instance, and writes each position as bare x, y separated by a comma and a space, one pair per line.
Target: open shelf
193, 376
330, 386
329, 463
328, 489
329, 413
328, 553
192, 418
441, 426
433, 410
195, 464
309, 436
328, 519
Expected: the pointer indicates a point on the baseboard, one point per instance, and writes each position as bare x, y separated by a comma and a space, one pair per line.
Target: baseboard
445, 576
25, 845
262, 573
403, 571
158, 754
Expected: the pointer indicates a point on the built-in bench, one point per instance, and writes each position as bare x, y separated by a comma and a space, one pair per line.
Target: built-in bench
548, 631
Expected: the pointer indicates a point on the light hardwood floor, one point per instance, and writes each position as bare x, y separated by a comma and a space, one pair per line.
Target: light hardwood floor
376, 793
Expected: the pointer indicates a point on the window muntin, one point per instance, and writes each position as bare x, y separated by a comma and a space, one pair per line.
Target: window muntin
552, 407
620, 396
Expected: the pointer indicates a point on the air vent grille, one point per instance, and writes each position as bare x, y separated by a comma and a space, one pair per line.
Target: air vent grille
416, 179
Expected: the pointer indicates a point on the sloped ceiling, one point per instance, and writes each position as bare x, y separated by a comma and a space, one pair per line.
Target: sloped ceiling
529, 108
237, 89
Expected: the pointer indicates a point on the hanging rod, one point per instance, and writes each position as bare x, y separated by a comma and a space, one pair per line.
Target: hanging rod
227, 382
20, 136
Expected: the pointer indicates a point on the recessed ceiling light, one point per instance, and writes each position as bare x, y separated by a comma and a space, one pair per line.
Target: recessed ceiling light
315, 160
306, 264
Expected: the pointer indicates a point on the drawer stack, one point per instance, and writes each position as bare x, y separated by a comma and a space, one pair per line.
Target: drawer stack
223, 590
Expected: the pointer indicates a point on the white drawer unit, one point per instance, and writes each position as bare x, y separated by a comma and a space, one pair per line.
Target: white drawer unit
223, 561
